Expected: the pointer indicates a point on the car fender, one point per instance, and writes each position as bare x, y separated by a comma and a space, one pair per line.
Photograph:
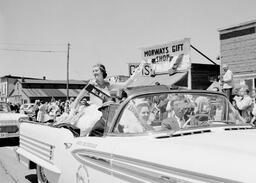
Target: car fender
25, 157
44, 146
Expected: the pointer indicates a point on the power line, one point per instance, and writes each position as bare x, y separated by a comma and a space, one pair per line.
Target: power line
33, 44
42, 51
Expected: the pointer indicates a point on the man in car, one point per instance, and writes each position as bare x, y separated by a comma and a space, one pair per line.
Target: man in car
176, 121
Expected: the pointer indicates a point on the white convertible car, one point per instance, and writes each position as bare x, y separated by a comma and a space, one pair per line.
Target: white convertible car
156, 135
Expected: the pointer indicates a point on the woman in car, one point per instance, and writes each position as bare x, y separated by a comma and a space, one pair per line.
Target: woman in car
99, 81
91, 115
143, 112
136, 118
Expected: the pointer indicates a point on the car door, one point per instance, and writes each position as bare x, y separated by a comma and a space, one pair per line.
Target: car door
94, 157
94, 152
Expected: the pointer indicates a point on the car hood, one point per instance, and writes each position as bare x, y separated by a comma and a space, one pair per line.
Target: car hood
226, 154
11, 116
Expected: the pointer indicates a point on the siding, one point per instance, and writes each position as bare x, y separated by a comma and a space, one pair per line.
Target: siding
240, 53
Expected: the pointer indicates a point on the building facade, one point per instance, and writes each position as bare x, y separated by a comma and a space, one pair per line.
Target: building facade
238, 50
7, 85
17, 89
28, 90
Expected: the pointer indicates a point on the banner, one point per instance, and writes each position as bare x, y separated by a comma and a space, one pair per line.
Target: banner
168, 58
145, 71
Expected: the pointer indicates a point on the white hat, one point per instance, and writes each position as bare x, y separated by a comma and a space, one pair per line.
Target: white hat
225, 66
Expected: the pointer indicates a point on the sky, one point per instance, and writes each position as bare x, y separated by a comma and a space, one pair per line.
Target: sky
34, 33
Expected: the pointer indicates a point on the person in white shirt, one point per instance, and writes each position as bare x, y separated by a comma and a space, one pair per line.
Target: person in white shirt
253, 120
227, 81
244, 103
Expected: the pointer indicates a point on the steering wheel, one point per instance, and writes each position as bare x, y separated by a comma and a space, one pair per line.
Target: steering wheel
200, 118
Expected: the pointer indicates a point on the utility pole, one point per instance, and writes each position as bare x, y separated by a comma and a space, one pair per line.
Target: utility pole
68, 71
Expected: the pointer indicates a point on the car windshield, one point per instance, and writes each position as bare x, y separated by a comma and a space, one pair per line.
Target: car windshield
175, 111
4, 107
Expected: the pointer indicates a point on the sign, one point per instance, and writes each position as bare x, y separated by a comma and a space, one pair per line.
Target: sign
170, 57
97, 92
145, 70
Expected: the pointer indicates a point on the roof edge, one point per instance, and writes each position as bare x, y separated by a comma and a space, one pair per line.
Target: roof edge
247, 23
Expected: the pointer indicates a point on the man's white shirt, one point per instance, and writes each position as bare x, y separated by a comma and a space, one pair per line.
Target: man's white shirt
228, 79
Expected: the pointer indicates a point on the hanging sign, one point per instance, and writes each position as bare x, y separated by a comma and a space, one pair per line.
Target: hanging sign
168, 58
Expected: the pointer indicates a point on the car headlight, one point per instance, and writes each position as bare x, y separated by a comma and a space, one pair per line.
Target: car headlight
23, 119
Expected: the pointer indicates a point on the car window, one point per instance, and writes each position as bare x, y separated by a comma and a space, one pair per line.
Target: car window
175, 111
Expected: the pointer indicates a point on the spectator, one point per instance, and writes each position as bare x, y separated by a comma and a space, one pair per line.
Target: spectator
42, 115
11, 106
253, 120
36, 109
227, 81
53, 109
71, 100
244, 103
62, 107
16, 107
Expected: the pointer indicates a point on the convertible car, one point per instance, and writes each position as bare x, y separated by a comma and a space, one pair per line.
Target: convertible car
156, 134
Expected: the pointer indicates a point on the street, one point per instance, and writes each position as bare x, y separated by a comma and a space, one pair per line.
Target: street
11, 171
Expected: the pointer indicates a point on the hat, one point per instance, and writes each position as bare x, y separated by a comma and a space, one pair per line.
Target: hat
224, 66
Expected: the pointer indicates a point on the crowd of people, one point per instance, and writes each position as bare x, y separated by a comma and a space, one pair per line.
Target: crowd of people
240, 97
42, 111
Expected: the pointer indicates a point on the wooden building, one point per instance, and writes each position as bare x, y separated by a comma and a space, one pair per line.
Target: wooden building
7, 85
238, 50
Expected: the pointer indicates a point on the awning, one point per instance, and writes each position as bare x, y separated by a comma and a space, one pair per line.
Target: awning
32, 92
161, 79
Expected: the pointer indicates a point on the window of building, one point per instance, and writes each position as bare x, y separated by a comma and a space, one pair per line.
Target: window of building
237, 33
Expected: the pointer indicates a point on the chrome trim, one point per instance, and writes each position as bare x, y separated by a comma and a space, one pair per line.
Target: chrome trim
92, 161
92, 152
37, 151
100, 161
126, 178
28, 150
136, 172
140, 171
173, 170
34, 144
43, 150
52, 146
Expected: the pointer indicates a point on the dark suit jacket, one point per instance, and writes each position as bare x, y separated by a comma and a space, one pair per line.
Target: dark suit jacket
170, 124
